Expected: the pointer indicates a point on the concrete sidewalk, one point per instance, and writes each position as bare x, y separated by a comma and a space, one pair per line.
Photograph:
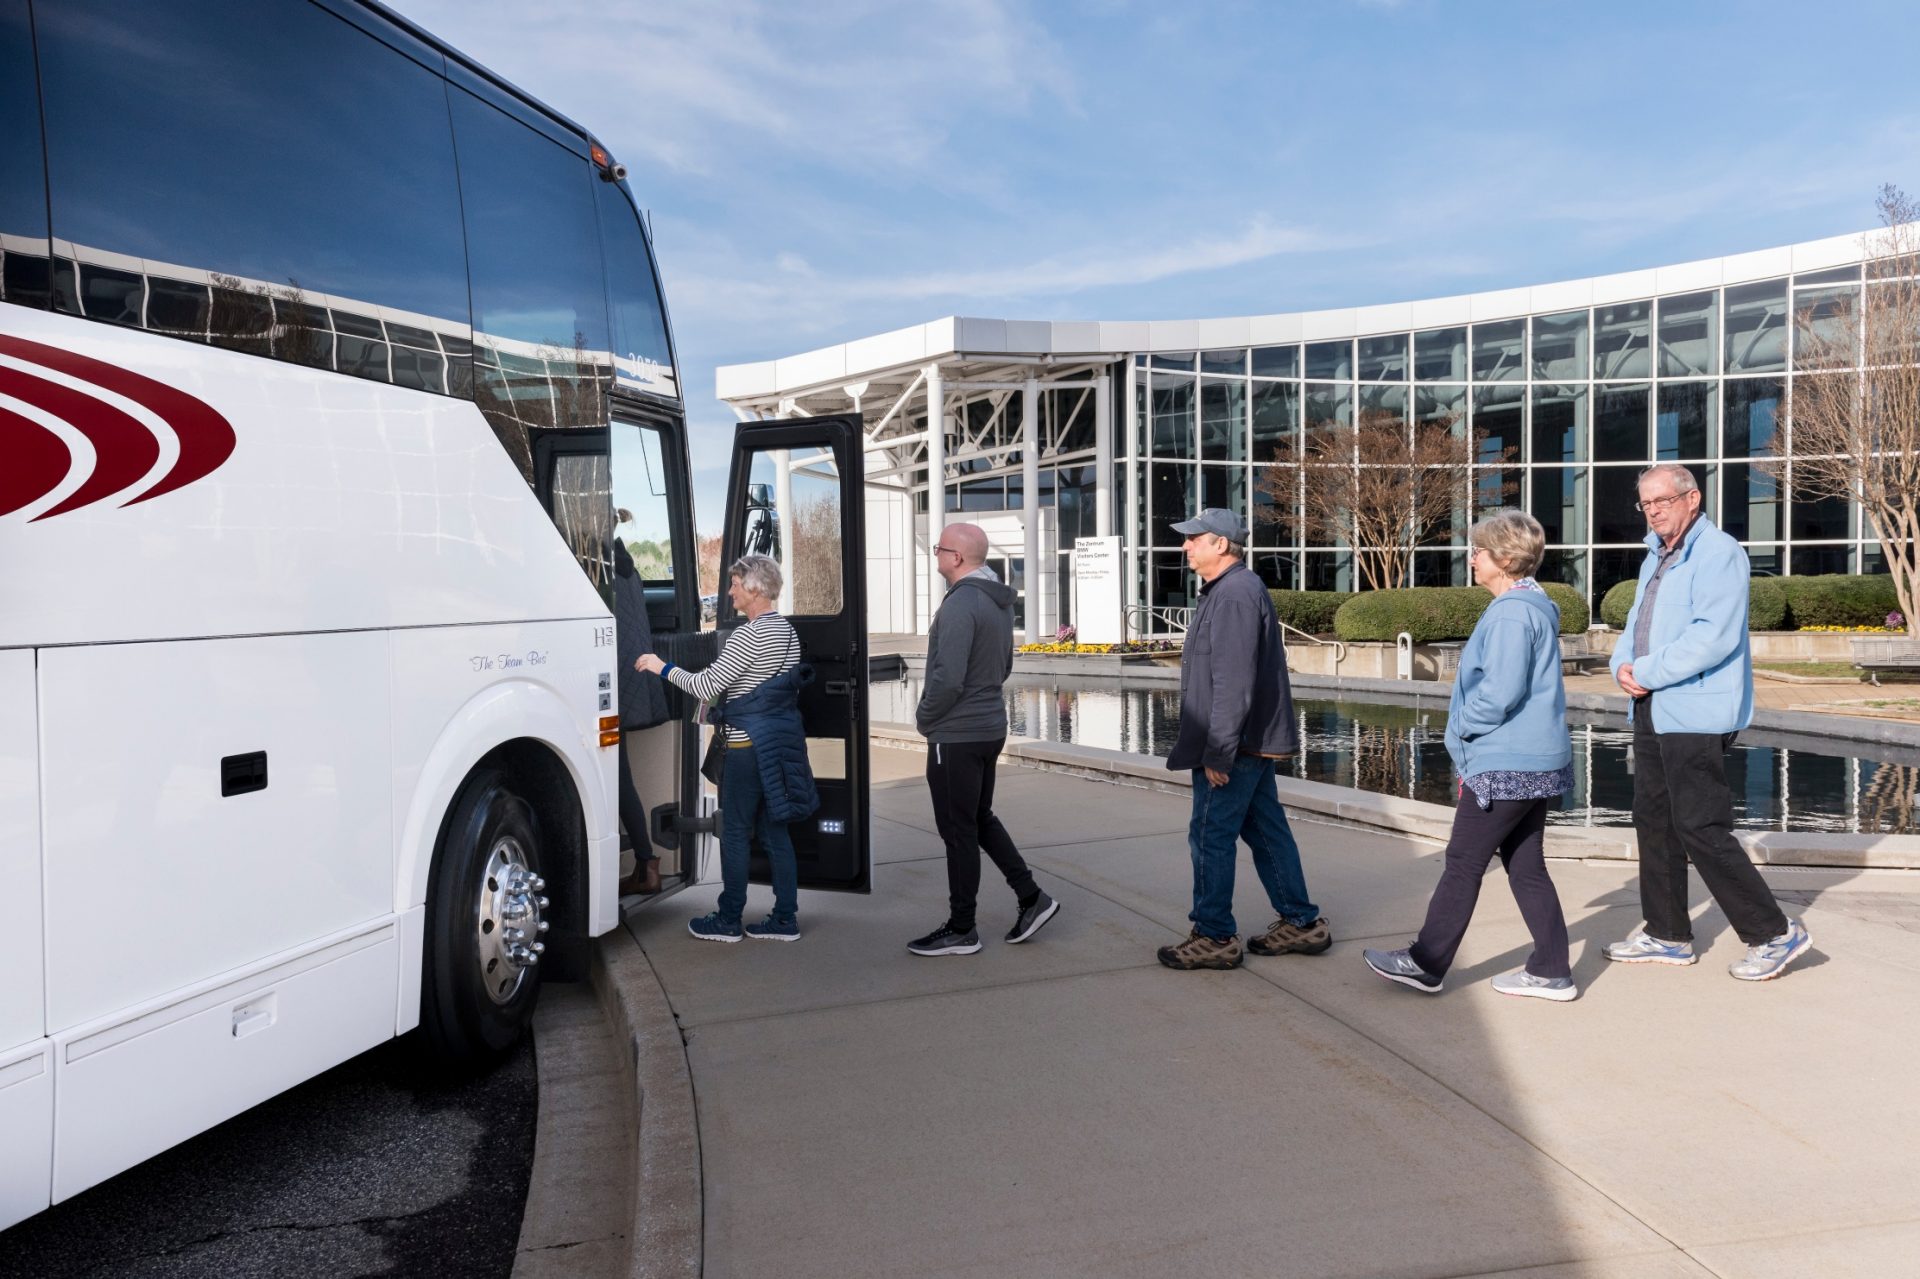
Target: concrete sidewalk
1069, 1107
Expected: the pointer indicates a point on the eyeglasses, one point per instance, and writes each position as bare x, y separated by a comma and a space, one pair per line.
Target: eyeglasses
944, 550
1655, 504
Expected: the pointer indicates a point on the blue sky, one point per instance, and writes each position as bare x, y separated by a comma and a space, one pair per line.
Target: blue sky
818, 172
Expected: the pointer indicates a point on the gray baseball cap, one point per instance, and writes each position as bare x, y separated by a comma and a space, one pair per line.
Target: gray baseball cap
1216, 520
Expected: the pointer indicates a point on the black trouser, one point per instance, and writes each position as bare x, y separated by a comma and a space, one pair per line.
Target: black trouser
960, 779
633, 814
1513, 830
1682, 811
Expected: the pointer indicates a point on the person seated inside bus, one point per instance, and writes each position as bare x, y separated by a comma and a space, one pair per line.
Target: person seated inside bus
753, 688
643, 704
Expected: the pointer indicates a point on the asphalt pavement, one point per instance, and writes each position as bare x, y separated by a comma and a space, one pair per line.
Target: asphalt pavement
375, 1168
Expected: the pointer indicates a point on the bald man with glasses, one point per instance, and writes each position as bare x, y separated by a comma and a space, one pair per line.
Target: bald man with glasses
1685, 661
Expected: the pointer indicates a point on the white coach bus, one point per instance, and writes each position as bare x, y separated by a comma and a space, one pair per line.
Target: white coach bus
331, 369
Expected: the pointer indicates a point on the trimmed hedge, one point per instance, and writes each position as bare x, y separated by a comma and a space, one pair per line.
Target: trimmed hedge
1309, 611
1788, 603
1435, 614
1838, 599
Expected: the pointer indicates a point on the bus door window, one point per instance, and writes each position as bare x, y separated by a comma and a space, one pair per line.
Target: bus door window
580, 499
793, 516
643, 517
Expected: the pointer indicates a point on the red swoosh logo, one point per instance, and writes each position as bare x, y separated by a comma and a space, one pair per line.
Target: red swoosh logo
36, 462
124, 448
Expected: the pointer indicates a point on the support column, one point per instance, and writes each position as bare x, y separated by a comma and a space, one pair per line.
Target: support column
1030, 502
1103, 455
936, 470
783, 514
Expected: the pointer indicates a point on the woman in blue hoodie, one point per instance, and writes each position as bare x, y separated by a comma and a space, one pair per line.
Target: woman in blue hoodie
1507, 734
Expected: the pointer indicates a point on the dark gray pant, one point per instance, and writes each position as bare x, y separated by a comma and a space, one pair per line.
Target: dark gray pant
1682, 811
1512, 830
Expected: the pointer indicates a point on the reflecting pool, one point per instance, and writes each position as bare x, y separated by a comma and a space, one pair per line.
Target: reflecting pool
1780, 781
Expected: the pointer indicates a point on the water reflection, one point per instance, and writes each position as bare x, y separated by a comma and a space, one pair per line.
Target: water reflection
1780, 782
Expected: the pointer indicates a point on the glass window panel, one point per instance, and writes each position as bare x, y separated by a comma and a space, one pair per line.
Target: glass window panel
359, 357
1809, 561
1837, 275
1330, 360
242, 320
1753, 408
1172, 415
1440, 355
1615, 490
1142, 416
1278, 570
1499, 351
1560, 346
1328, 404
1611, 567
1440, 568
1757, 327
1276, 361
1225, 487
1826, 326
1328, 570
178, 308
1173, 360
1569, 568
982, 495
1684, 423
1384, 359
1223, 420
1497, 488
1689, 334
250, 174
1623, 340
1174, 488
1276, 418
1766, 560
1560, 502
118, 297
1499, 423
582, 500
642, 510
1441, 404
1620, 424
1750, 504
1383, 401
1223, 361
1170, 585
1820, 519
1559, 423
642, 353
1275, 516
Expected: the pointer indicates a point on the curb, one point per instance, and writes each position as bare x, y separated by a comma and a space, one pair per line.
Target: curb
1435, 821
665, 1240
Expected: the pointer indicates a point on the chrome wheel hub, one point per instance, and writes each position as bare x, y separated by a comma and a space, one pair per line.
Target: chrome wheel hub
509, 926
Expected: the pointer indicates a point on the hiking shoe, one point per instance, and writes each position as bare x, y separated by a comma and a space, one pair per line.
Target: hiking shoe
714, 928
946, 940
775, 927
1769, 959
1639, 948
1522, 982
1398, 965
1201, 951
1032, 918
1283, 938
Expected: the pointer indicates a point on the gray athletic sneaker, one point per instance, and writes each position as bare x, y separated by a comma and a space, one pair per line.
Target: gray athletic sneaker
1398, 965
1769, 959
1639, 948
1521, 982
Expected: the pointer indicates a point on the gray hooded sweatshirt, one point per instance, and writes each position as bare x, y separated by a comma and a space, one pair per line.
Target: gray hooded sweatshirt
969, 655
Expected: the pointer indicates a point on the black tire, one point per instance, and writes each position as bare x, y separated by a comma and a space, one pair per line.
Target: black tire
461, 1022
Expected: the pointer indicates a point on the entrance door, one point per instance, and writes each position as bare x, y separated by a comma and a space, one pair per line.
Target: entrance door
797, 494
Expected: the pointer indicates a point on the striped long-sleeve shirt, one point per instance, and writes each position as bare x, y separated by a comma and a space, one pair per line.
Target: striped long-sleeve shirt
755, 653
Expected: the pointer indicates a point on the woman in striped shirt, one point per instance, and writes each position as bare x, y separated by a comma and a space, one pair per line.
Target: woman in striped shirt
765, 648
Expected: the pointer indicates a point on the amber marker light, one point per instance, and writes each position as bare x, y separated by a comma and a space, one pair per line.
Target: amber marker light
609, 730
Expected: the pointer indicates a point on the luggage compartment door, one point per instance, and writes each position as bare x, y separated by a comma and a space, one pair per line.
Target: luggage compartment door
796, 493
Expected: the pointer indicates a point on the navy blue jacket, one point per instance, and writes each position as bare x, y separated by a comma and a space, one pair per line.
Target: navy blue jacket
770, 715
1235, 697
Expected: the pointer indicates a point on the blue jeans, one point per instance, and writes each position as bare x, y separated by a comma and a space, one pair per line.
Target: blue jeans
743, 814
1247, 807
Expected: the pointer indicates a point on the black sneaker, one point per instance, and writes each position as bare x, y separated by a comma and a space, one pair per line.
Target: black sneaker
1032, 919
946, 940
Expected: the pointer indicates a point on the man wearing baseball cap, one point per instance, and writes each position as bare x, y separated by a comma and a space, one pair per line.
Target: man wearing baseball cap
1236, 719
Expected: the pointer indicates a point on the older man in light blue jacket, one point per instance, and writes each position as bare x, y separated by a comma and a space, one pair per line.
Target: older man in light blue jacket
1685, 661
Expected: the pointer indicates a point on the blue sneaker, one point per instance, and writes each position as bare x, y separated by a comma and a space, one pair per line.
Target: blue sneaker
775, 927
1639, 948
714, 928
1769, 959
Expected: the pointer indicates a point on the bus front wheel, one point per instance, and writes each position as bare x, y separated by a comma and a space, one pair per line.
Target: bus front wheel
486, 925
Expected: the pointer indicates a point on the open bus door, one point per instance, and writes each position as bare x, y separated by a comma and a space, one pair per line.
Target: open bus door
797, 494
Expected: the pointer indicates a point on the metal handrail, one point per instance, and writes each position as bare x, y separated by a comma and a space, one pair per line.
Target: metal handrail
1180, 619
1339, 646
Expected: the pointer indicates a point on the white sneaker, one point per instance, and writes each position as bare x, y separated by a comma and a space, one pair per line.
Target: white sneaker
1769, 959
1522, 982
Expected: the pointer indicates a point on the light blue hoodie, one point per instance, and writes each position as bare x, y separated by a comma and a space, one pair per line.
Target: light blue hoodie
1509, 707
1698, 662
